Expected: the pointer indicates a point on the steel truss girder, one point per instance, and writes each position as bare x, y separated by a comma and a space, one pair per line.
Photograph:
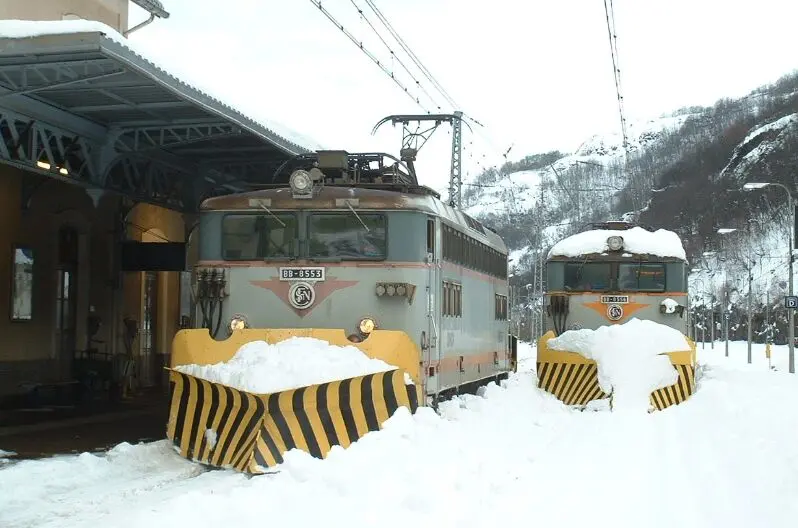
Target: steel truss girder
52, 151
31, 144
158, 137
51, 76
455, 174
134, 161
149, 180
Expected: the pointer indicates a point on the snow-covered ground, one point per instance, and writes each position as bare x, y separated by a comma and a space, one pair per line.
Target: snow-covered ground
512, 457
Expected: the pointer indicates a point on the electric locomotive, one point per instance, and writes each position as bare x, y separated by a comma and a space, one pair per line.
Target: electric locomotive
606, 275
349, 248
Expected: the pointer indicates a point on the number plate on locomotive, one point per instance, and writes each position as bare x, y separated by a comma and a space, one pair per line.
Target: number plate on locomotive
291, 274
615, 299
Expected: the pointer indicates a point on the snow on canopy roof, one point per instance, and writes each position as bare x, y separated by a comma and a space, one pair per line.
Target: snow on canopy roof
662, 243
16, 29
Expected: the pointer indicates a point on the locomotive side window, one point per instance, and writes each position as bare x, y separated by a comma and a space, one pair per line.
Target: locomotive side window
257, 237
501, 307
431, 236
452, 299
333, 235
641, 277
461, 249
588, 276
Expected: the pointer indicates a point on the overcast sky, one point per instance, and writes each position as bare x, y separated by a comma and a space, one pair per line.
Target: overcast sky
536, 73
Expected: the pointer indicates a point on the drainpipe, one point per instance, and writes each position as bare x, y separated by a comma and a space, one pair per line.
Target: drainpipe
139, 26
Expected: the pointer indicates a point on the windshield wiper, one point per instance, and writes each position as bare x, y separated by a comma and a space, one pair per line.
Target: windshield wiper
271, 213
357, 216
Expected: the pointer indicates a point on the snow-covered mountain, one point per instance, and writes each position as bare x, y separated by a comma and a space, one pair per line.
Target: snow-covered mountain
759, 145
553, 194
684, 172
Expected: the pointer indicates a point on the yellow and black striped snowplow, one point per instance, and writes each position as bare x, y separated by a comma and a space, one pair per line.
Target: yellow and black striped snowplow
573, 379
225, 427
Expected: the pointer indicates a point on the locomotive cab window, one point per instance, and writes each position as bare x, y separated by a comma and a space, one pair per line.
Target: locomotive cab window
347, 236
641, 277
257, 237
588, 276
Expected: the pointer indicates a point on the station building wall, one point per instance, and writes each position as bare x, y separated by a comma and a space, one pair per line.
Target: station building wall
111, 12
70, 239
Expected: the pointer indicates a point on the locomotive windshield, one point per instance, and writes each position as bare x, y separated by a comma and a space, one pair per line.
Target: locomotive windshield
258, 236
616, 276
588, 276
642, 277
361, 236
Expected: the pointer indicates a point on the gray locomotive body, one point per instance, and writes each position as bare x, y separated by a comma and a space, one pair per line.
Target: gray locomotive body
358, 259
596, 294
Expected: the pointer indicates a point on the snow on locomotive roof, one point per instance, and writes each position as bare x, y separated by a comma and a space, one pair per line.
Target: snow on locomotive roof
662, 243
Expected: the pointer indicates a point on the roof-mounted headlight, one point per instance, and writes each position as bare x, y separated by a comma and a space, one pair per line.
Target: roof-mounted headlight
615, 243
301, 182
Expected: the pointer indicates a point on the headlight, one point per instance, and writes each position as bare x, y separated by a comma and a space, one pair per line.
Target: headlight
615, 243
366, 325
300, 182
238, 322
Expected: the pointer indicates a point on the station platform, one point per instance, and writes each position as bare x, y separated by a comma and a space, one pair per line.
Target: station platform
46, 432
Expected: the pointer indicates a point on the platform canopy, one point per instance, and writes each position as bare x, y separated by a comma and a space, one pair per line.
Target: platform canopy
78, 103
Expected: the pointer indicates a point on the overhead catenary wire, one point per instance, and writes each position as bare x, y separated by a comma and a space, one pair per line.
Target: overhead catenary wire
431, 78
393, 54
376, 61
410, 54
580, 189
609, 13
415, 60
425, 71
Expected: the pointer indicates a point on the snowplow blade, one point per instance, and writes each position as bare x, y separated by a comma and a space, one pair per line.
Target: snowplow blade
196, 346
573, 379
225, 427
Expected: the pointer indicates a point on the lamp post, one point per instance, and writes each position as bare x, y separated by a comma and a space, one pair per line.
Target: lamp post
711, 306
750, 303
790, 311
724, 314
702, 291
